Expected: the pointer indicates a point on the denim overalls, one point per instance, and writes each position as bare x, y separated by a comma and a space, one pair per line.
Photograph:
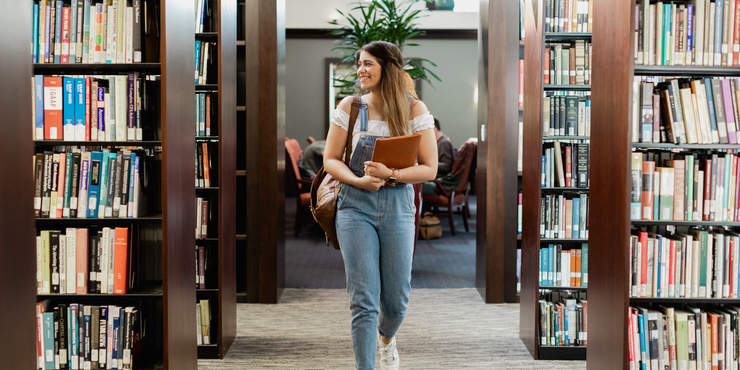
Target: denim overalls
376, 235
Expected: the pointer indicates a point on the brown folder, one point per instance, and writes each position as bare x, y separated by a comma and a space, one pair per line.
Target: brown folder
397, 151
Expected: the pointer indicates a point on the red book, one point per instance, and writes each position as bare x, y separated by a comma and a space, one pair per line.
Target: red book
81, 255
568, 166
52, 107
714, 326
643, 262
204, 219
60, 185
547, 66
572, 67
630, 345
39, 334
206, 167
201, 267
736, 38
65, 35
120, 264
521, 83
671, 269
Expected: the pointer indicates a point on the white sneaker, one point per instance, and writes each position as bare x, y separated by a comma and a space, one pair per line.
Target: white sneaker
388, 355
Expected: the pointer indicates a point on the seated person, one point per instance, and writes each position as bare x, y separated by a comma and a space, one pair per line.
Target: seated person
446, 156
313, 158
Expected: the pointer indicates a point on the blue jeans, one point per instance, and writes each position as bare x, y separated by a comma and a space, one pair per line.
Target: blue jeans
376, 236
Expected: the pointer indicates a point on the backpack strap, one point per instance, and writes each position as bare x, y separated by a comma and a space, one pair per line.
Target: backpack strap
356, 103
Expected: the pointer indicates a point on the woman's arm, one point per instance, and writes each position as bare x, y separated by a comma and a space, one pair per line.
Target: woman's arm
336, 140
425, 170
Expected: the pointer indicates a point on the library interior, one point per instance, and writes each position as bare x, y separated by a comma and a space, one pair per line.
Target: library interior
390, 184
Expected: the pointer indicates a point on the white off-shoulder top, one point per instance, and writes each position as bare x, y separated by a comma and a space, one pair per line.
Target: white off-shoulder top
377, 127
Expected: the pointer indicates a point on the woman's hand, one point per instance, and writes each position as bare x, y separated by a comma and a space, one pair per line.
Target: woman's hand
377, 169
369, 183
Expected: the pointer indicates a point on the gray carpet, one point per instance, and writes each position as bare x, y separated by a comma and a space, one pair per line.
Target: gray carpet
444, 329
448, 262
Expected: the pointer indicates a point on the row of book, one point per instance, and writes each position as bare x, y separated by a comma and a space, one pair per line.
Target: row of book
203, 15
701, 264
201, 266
700, 32
683, 338
565, 165
696, 187
202, 218
203, 322
87, 31
568, 15
564, 217
564, 267
89, 108
204, 52
82, 261
83, 184
204, 108
567, 63
566, 115
693, 111
203, 165
563, 322
78, 336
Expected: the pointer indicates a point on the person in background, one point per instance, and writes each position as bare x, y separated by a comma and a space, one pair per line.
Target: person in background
445, 151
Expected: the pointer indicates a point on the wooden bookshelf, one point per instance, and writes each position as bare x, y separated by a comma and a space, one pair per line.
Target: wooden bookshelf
220, 285
165, 305
534, 144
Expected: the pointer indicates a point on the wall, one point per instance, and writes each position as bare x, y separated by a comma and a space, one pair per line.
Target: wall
452, 101
316, 14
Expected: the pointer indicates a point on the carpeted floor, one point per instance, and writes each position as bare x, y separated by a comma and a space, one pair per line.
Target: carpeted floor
444, 329
448, 262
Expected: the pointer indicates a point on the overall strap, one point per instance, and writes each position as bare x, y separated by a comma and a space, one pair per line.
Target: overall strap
356, 104
363, 115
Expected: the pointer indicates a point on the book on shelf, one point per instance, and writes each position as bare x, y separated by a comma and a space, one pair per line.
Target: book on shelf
563, 321
567, 63
203, 166
204, 56
518, 270
685, 187
203, 16
566, 114
84, 31
700, 32
519, 214
686, 111
77, 183
201, 266
568, 15
564, 216
682, 337
565, 165
203, 322
205, 110
82, 261
690, 264
203, 218
93, 108
563, 267
78, 336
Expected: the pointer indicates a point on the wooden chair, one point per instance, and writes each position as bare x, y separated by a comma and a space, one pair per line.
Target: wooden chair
300, 186
449, 199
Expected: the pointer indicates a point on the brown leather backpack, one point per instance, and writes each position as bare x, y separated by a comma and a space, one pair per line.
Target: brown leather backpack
325, 188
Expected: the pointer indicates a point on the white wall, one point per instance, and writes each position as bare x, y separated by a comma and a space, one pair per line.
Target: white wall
451, 101
316, 14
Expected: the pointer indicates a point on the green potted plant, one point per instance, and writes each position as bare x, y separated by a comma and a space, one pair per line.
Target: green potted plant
387, 20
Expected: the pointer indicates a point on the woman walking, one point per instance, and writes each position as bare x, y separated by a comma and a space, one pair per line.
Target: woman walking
375, 208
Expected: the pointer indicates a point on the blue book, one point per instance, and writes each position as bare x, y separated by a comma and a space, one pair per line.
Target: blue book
73, 331
689, 29
576, 234
68, 113
710, 105
543, 173
80, 91
93, 193
49, 353
103, 189
643, 350
58, 33
548, 265
35, 51
542, 267
197, 58
131, 176
565, 327
202, 16
38, 124
584, 265
116, 329
101, 114
48, 44
666, 34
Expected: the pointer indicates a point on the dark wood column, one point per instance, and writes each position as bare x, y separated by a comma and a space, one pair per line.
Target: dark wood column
265, 108
532, 150
178, 176
609, 221
17, 235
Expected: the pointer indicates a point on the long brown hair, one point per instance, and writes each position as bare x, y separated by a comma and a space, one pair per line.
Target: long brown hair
395, 86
